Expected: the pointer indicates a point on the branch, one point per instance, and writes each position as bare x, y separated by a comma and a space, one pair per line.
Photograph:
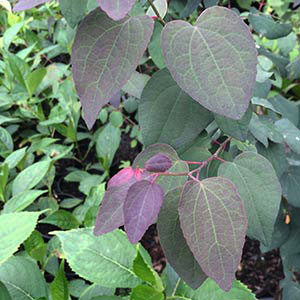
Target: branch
157, 13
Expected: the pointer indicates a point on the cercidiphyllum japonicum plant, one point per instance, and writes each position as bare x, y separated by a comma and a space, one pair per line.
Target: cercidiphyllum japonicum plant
209, 80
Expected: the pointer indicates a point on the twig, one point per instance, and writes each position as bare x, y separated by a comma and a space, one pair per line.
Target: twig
160, 19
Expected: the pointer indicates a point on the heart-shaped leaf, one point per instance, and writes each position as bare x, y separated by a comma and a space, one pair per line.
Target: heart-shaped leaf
174, 244
213, 61
141, 208
158, 163
116, 9
105, 54
260, 191
214, 224
28, 4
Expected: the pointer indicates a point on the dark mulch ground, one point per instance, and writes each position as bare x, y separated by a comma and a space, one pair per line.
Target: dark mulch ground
260, 272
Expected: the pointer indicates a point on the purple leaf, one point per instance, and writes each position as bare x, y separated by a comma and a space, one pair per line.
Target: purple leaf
105, 54
213, 61
141, 208
116, 9
28, 4
115, 100
214, 224
158, 163
121, 177
296, 3
173, 243
110, 214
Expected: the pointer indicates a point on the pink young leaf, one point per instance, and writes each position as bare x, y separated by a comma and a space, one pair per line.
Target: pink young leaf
141, 207
110, 214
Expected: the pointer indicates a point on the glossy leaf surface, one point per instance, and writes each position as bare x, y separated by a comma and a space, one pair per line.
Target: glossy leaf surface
214, 224
213, 61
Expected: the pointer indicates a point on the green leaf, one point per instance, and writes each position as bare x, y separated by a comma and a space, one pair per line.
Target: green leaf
34, 79
4, 294
146, 272
116, 119
6, 142
168, 115
258, 130
95, 290
167, 182
105, 260
15, 157
4, 174
260, 191
214, 224
30, 177
213, 61
15, 228
286, 108
73, 11
210, 291
105, 55
135, 85
291, 134
275, 154
174, 245
291, 291
107, 143
266, 26
21, 201
290, 185
59, 287
35, 246
293, 69
235, 128
23, 279
154, 47
144, 292
62, 219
